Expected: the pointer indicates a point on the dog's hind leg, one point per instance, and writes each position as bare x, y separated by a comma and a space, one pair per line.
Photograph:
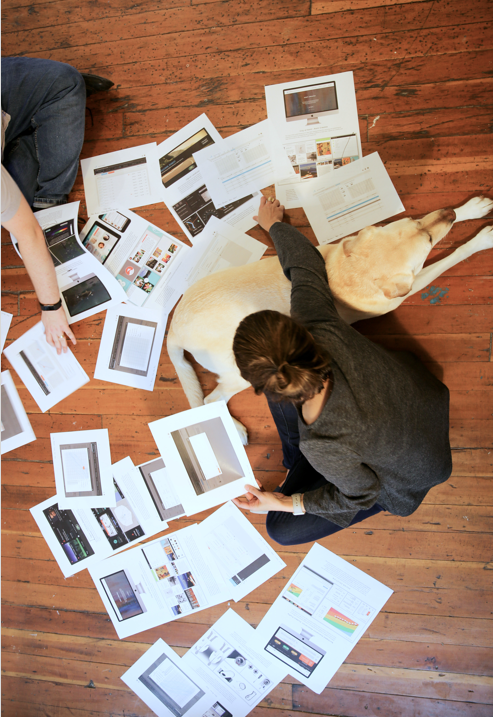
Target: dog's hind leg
483, 240
228, 385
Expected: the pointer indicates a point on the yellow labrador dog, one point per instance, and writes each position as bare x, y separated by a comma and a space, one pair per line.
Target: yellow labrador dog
369, 274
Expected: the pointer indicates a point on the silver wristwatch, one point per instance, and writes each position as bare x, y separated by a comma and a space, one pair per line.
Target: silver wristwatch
297, 506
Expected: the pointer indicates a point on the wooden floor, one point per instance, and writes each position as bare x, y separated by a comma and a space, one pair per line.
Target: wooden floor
423, 73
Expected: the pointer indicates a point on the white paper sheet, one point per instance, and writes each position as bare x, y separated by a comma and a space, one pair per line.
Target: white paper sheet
205, 456
220, 675
16, 429
172, 435
144, 259
183, 188
82, 466
356, 196
137, 347
220, 246
319, 617
123, 179
5, 322
86, 288
161, 486
158, 582
238, 165
243, 557
76, 470
236, 673
314, 129
82, 536
161, 680
130, 350
49, 378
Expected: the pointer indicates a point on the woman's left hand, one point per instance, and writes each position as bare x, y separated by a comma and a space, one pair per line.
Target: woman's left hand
259, 501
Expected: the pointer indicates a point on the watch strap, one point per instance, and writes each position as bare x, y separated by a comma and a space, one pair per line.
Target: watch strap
297, 507
51, 307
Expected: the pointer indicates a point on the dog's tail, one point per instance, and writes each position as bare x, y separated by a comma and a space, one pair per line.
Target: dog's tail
186, 374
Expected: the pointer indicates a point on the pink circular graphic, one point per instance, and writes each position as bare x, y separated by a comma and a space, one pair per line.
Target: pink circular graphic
129, 270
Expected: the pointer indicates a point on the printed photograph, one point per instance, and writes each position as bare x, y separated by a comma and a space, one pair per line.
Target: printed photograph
171, 686
87, 294
61, 241
179, 161
100, 241
80, 470
124, 595
208, 455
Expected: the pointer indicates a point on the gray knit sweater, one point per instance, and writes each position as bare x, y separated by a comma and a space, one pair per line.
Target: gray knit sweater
382, 436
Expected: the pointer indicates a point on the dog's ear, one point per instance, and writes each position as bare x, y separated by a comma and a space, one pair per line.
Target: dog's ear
396, 286
348, 244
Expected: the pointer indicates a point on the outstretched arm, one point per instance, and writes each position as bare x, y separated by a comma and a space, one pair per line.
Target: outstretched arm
39, 265
311, 299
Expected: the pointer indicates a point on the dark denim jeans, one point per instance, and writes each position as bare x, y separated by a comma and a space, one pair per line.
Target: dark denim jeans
46, 101
286, 528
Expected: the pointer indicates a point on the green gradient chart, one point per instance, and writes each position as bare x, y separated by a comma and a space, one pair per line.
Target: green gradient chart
295, 590
340, 621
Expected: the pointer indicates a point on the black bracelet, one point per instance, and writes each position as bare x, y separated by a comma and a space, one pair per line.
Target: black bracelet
51, 307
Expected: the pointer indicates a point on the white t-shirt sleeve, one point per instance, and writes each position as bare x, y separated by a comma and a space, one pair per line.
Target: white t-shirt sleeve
11, 196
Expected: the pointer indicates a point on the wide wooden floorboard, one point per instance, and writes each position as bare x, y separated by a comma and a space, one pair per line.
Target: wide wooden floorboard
423, 74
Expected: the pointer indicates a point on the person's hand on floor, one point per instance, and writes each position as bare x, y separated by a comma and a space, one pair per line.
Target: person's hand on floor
270, 211
57, 329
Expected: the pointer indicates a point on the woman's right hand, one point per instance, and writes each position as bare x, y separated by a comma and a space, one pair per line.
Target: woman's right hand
56, 329
269, 212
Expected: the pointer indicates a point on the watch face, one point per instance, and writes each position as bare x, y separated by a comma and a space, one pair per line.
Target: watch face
297, 509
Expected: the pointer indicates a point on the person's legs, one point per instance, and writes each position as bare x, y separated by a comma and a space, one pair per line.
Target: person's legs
285, 417
289, 529
46, 102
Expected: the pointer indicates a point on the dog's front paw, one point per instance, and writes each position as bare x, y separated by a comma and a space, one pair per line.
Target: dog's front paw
475, 208
243, 433
483, 240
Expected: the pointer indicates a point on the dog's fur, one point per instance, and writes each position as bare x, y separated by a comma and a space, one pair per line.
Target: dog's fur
369, 274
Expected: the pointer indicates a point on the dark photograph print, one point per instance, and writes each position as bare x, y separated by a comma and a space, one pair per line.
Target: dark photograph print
208, 455
61, 241
124, 595
87, 294
180, 162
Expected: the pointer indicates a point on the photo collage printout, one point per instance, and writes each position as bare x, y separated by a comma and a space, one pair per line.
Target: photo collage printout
144, 259
314, 130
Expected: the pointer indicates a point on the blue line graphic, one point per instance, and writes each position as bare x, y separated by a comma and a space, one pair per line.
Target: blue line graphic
331, 216
245, 172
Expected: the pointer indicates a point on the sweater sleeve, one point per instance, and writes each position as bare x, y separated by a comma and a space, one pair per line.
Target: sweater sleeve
358, 488
304, 266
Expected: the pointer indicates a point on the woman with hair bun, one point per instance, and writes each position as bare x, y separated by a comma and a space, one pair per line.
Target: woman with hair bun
363, 429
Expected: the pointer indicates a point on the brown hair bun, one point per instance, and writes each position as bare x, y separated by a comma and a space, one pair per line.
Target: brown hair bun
279, 356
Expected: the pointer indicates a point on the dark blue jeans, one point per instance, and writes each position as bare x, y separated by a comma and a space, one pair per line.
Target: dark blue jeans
286, 528
46, 101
